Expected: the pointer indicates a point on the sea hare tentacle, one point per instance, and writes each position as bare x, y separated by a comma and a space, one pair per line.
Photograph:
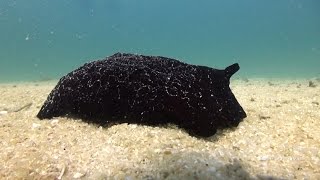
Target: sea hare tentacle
231, 70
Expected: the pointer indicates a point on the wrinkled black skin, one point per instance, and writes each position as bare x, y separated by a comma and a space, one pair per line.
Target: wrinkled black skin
149, 90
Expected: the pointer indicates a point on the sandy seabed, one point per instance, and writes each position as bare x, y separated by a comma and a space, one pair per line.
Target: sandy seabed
280, 139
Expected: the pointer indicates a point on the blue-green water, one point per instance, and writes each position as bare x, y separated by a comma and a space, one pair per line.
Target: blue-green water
43, 39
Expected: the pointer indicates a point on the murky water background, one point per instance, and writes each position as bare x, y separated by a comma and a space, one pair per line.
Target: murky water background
44, 39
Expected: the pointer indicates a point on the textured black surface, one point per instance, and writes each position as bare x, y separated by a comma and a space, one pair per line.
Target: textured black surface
148, 90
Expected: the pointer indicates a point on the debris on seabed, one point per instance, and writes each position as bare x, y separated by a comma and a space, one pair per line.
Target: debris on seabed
23, 107
312, 84
62, 172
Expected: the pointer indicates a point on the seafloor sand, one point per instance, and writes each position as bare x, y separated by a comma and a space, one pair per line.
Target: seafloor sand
280, 139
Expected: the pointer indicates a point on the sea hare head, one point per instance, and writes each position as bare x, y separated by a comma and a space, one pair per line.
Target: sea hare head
219, 108
150, 90
230, 110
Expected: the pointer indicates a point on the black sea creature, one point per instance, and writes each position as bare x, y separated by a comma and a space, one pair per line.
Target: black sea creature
150, 90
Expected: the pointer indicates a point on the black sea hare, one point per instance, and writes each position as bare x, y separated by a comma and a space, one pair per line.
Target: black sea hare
151, 90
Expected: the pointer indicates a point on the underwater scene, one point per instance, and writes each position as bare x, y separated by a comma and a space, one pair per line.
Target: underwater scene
159, 89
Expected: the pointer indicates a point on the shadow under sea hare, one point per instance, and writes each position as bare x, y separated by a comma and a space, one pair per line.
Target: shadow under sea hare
150, 90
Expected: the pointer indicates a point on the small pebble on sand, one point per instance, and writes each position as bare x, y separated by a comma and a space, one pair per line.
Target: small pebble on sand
36, 126
3, 112
54, 121
78, 175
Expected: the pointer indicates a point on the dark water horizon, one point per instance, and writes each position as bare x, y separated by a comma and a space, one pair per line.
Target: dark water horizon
43, 39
